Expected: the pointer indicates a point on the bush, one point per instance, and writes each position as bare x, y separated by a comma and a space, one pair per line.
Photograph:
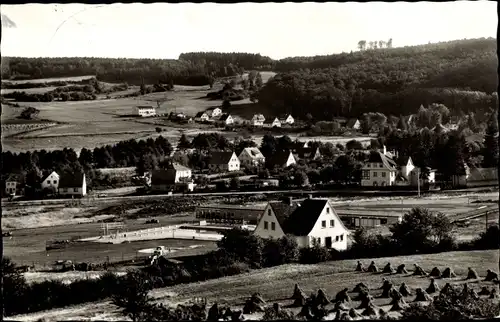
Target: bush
280, 251
243, 245
313, 255
490, 239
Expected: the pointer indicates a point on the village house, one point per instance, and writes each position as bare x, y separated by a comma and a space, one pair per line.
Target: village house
354, 219
226, 119
311, 222
13, 185
379, 171
229, 214
286, 119
72, 184
281, 159
224, 161
214, 111
353, 124
175, 176
144, 111
275, 123
202, 117
50, 183
258, 120
251, 157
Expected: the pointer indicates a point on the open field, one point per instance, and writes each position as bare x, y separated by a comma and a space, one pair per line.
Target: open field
276, 284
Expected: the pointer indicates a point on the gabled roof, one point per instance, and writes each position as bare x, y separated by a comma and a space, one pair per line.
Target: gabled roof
403, 161
279, 158
220, 157
258, 117
351, 122
224, 117
163, 176
306, 152
13, 178
45, 178
282, 211
71, 180
145, 107
379, 157
254, 153
276, 119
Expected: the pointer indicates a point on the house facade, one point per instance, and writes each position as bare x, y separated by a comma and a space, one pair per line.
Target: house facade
202, 117
276, 123
13, 185
251, 157
72, 185
174, 177
282, 159
258, 120
224, 161
214, 112
144, 111
227, 119
353, 124
286, 119
379, 171
50, 182
311, 222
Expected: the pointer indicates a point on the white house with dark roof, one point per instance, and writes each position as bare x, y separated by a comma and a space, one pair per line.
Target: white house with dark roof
202, 117
251, 157
13, 185
224, 161
258, 120
379, 171
353, 124
144, 110
286, 119
312, 221
214, 111
72, 184
50, 182
227, 119
275, 123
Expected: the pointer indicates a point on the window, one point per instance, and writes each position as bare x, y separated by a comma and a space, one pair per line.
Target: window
327, 210
266, 225
55, 181
383, 174
366, 175
368, 165
336, 238
269, 212
323, 224
273, 226
375, 174
75, 189
48, 181
332, 223
342, 237
65, 189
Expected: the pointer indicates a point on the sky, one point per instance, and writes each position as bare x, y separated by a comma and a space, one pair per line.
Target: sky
277, 30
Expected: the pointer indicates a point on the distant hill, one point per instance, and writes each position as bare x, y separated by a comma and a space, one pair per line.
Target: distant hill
461, 74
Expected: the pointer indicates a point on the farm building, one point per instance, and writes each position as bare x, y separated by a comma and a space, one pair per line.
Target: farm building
50, 182
224, 161
144, 111
214, 112
354, 219
73, 185
258, 120
202, 117
251, 157
13, 185
230, 214
281, 159
286, 119
312, 221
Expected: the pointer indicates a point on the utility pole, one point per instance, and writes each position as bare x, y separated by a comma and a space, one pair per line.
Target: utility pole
418, 181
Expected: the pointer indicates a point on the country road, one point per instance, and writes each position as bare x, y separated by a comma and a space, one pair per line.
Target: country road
297, 192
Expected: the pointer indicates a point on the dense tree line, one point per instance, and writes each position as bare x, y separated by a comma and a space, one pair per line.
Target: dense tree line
231, 60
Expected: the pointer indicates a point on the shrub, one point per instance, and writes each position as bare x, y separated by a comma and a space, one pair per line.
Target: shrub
243, 245
490, 239
313, 255
280, 251
132, 294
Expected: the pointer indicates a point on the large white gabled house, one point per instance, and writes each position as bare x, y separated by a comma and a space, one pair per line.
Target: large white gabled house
311, 222
73, 184
275, 123
214, 111
226, 119
202, 117
224, 161
50, 183
251, 157
144, 111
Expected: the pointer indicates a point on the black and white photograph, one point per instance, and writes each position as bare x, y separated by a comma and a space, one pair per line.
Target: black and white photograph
250, 161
